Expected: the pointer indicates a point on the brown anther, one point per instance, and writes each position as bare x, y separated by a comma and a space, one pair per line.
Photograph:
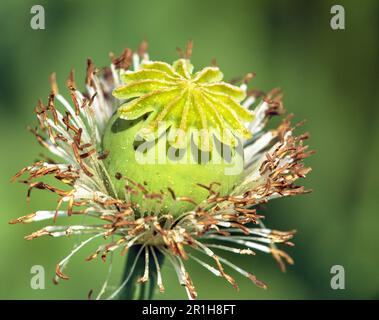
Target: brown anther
142, 49
103, 155
189, 49
124, 61
59, 273
90, 72
53, 84
248, 77
71, 81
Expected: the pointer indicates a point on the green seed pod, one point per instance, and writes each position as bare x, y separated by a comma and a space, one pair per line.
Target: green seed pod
174, 131
158, 166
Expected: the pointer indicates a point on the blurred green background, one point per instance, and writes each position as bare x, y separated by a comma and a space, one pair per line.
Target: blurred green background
329, 78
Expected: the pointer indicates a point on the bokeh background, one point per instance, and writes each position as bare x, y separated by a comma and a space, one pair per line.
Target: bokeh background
329, 78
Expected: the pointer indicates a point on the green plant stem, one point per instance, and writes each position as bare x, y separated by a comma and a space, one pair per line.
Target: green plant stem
146, 290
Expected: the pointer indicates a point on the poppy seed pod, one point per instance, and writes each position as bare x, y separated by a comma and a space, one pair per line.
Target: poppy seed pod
171, 166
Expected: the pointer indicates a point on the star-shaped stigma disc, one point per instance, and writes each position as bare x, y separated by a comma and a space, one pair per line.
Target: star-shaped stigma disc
174, 97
